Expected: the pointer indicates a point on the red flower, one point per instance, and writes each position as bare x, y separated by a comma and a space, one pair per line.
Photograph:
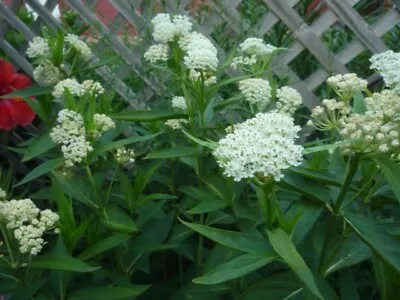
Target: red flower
13, 111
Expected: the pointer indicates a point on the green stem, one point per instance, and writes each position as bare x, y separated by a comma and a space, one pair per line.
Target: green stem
268, 203
352, 165
363, 189
111, 184
200, 249
8, 246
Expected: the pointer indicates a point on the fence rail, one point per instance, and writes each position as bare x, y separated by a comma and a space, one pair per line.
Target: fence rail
307, 36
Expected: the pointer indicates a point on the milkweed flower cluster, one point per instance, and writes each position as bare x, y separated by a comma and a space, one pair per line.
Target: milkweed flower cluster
28, 224
175, 124
47, 74
179, 102
346, 85
326, 117
102, 123
288, 100
70, 133
124, 155
80, 46
38, 47
70, 84
166, 29
256, 91
92, 87
156, 53
264, 145
252, 50
388, 65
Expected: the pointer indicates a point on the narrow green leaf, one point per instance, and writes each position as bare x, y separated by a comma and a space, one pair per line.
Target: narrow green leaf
285, 248
62, 263
381, 243
42, 169
38, 146
119, 221
118, 144
388, 280
143, 177
104, 245
315, 149
147, 115
391, 170
237, 267
175, 152
235, 240
107, 293
206, 207
359, 105
33, 90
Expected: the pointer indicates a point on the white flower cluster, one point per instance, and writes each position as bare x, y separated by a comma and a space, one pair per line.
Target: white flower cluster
156, 53
92, 87
80, 46
385, 103
200, 53
175, 124
125, 156
102, 124
327, 116
347, 85
288, 100
38, 47
47, 73
256, 91
28, 223
252, 50
71, 135
179, 102
3, 194
165, 29
72, 85
388, 65
263, 145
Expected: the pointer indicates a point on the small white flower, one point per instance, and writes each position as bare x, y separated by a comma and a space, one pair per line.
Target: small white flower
165, 29
125, 156
289, 100
72, 85
262, 145
156, 53
80, 46
38, 47
92, 87
388, 65
102, 124
175, 124
179, 102
47, 74
347, 84
256, 46
256, 90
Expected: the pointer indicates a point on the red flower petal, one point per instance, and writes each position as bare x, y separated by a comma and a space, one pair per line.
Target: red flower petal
6, 72
6, 120
21, 112
20, 81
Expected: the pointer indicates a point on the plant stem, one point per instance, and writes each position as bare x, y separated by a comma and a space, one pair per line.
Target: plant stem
111, 184
268, 203
362, 190
351, 169
8, 246
200, 249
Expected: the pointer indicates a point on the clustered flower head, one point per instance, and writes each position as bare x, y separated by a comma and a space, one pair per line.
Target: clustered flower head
326, 117
166, 29
80, 46
388, 65
71, 135
70, 84
102, 123
27, 223
156, 53
346, 85
263, 145
125, 155
38, 47
179, 102
252, 50
92, 87
47, 73
175, 124
200, 53
3, 194
256, 91
288, 100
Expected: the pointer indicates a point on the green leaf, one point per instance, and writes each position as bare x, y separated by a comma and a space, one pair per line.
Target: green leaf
237, 267
42, 169
147, 115
61, 262
285, 248
388, 281
104, 245
206, 207
38, 146
175, 152
209, 144
143, 177
118, 144
107, 293
391, 170
320, 148
320, 176
381, 243
33, 90
118, 220
235, 240
359, 105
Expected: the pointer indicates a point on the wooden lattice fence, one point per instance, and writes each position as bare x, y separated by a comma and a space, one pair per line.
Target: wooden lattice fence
307, 36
